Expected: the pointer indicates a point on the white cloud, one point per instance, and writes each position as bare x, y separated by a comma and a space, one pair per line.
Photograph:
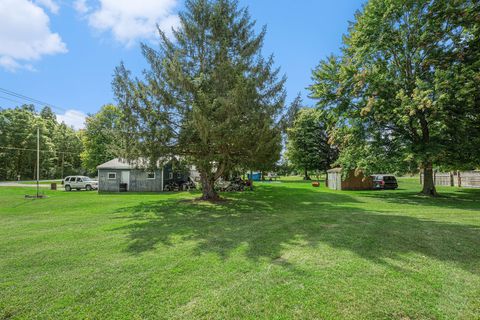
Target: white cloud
49, 4
73, 118
9, 63
81, 6
131, 20
25, 35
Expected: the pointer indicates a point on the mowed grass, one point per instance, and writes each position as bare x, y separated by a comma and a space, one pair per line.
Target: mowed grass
284, 251
41, 182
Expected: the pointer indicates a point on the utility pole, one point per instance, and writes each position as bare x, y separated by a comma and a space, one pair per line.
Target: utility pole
63, 161
38, 160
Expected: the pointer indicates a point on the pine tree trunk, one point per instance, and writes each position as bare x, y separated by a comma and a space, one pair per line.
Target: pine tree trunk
428, 181
208, 188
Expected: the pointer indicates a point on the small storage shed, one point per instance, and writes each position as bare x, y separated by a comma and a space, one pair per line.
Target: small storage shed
352, 181
119, 175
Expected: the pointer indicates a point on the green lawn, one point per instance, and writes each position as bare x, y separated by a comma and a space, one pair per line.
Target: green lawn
285, 251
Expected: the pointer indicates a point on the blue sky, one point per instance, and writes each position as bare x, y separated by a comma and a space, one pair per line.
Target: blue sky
63, 52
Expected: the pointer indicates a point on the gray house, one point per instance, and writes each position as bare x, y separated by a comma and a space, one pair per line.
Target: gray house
119, 175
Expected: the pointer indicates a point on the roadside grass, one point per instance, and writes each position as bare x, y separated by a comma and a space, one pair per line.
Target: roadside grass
41, 182
286, 250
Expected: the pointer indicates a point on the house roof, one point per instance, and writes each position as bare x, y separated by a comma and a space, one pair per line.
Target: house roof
116, 163
119, 163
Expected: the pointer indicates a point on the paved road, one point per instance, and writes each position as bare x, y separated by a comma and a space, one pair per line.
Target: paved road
16, 184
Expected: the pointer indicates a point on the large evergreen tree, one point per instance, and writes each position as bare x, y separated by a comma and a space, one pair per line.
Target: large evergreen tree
405, 92
209, 95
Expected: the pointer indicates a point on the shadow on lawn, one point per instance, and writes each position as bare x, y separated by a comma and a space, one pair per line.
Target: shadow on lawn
273, 217
467, 199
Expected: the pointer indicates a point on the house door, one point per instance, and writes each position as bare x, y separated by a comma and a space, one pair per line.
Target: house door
125, 178
338, 177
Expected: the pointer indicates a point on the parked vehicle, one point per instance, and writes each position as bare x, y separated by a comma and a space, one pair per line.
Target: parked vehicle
79, 183
383, 182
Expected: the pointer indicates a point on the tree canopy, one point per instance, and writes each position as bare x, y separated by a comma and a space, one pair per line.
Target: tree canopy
100, 137
308, 146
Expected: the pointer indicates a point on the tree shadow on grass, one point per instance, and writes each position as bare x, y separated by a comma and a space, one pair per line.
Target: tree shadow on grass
467, 199
275, 216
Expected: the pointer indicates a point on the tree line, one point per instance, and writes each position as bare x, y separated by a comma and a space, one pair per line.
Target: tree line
63, 150
60, 144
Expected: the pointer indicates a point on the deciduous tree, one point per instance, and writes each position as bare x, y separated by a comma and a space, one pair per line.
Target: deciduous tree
100, 137
308, 146
405, 92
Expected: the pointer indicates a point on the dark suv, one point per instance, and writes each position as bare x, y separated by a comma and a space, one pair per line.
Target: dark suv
384, 181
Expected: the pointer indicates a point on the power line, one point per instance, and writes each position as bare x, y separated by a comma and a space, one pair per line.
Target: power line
12, 100
45, 151
29, 99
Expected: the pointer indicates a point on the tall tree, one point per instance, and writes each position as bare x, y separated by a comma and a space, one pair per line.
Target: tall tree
291, 113
49, 133
396, 92
99, 137
308, 146
18, 133
69, 147
209, 95
64, 146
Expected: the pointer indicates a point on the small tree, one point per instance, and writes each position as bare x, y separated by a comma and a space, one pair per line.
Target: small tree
209, 95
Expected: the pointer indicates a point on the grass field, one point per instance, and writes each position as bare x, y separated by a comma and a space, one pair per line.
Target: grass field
284, 251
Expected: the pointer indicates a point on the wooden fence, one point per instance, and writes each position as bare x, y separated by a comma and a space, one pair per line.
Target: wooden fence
467, 179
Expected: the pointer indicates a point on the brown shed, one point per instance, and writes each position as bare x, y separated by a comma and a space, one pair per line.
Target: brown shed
352, 181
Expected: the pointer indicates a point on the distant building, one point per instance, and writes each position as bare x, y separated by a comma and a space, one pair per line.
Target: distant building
351, 181
119, 175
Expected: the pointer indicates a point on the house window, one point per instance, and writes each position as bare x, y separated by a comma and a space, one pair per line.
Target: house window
112, 175
150, 175
170, 175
